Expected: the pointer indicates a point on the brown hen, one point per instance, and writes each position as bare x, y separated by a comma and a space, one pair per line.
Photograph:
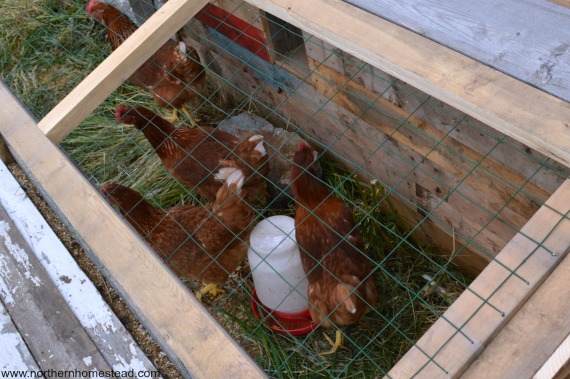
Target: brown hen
341, 289
201, 243
195, 156
172, 75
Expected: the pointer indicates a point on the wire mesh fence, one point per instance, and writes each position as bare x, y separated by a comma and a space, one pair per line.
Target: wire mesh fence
435, 194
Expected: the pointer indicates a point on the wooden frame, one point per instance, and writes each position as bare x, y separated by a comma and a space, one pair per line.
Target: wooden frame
514, 108
525, 113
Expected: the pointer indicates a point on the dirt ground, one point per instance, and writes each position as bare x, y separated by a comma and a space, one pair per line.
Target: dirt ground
127, 317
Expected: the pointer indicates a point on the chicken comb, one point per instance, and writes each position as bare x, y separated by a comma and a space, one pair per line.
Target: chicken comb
303, 146
121, 110
90, 5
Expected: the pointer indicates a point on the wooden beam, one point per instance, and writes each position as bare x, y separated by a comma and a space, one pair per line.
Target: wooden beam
464, 330
532, 336
185, 330
117, 68
523, 112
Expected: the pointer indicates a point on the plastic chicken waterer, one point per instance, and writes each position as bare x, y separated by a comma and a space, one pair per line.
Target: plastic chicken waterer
278, 276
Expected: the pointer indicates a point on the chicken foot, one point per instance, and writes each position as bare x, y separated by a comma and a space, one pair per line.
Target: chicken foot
193, 122
175, 117
212, 289
337, 344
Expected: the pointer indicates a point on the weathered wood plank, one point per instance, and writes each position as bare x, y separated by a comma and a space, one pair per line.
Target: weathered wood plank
52, 332
15, 354
447, 159
444, 351
179, 323
533, 334
528, 40
103, 327
436, 115
116, 68
523, 112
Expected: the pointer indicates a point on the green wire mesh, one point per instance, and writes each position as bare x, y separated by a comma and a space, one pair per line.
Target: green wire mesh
386, 149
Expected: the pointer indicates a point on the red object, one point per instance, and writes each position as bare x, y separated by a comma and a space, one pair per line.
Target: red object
236, 29
296, 324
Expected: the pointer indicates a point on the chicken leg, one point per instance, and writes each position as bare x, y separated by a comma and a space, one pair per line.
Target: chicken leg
193, 122
174, 118
212, 289
337, 344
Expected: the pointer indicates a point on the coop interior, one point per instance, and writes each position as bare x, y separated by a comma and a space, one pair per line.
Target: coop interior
437, 195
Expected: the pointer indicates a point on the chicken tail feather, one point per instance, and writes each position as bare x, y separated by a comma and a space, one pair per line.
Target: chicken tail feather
235, 179
259, 147
225, 172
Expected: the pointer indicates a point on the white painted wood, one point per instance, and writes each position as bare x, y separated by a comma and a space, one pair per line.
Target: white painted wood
116, 344
14, 354
553, 365
528, 40
53, 334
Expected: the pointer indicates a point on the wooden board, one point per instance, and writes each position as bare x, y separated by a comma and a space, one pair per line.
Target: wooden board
116, 68
528, 40
168, 310
15, 354
360, 84
50, 329
506, 104
446, 161
532, 336
494, 297
116, 345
